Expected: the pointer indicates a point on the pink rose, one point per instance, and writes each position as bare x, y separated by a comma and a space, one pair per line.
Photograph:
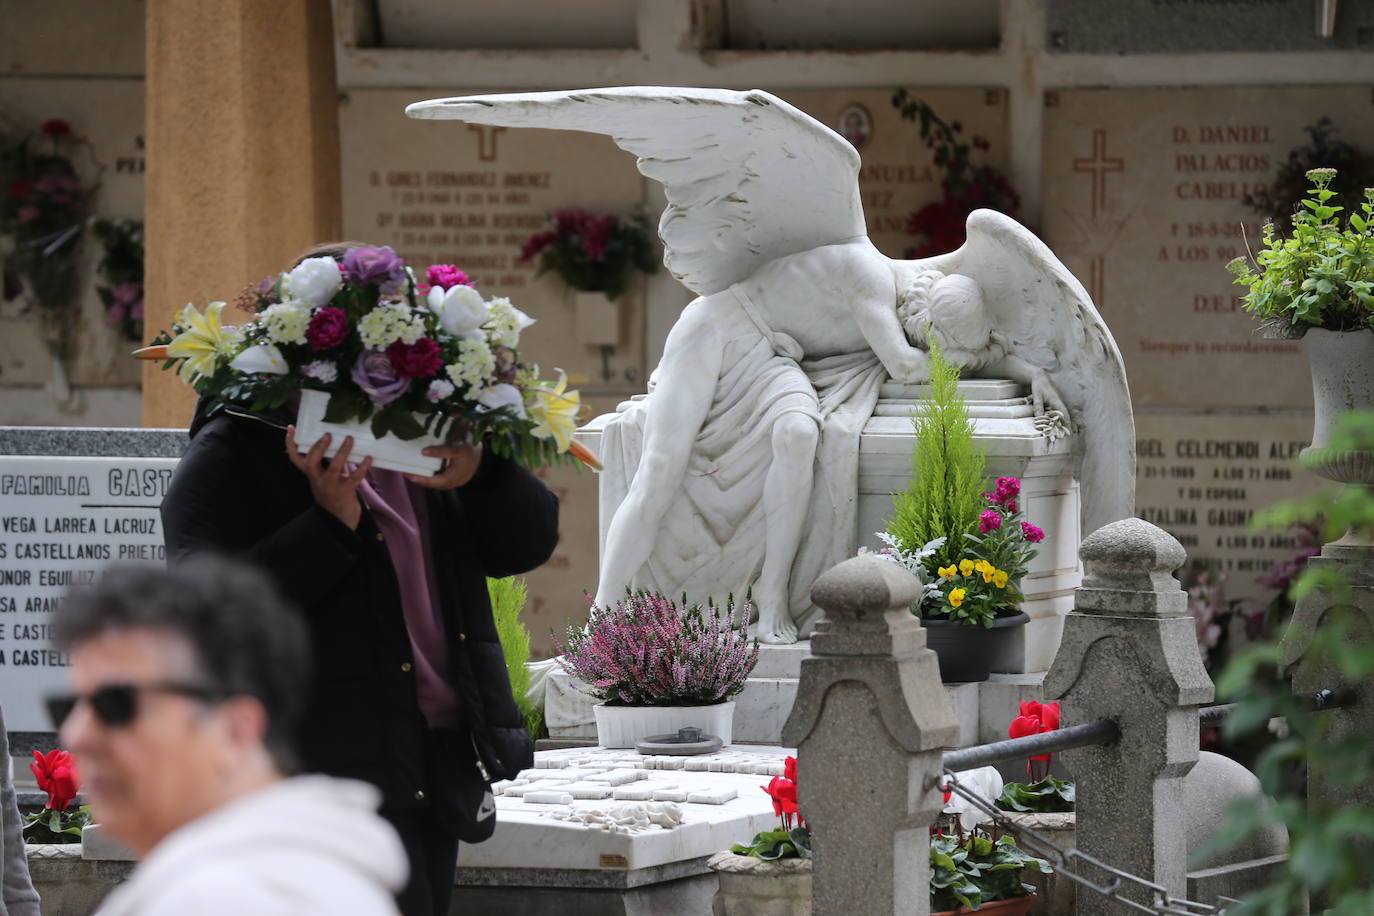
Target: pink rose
327, 328
446, 276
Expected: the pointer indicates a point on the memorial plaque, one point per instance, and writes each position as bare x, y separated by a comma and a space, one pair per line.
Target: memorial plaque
1134, 26
898, 175
108, 113
1144, 201
62, 520
1202, 478
470, 195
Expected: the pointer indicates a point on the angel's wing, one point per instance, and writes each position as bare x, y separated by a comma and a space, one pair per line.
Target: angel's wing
1051, 323
748, 177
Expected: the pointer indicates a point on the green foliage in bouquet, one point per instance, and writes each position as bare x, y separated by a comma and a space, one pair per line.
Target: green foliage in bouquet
974, 869
508, 598
944, 496
1322, 275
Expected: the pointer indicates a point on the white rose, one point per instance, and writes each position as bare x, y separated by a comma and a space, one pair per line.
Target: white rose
263, 358
503, 395
315, 280
460, 310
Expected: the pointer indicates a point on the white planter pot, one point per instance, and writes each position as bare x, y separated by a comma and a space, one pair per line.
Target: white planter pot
388, 452
1342, 379
622, 726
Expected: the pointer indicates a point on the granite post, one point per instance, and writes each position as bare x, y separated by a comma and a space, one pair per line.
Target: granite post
1315, 671
1129, 654
870, 722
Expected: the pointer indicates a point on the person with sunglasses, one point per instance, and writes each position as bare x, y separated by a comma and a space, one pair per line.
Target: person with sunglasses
188, 684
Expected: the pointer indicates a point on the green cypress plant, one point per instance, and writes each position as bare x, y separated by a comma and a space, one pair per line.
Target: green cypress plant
507, 601
945, 495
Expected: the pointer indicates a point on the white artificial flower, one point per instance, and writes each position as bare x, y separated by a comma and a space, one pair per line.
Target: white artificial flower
475, 364
388, 323
460, 309
505, 322
321, 370
438, 390
497, 396
263, 358
286, 321
315, 280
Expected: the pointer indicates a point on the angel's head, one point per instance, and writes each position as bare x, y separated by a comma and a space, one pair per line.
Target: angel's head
949, 309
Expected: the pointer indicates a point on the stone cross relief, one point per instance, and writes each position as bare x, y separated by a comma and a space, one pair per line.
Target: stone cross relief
738, 473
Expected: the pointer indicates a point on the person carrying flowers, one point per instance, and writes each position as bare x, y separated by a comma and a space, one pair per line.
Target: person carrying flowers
410, 690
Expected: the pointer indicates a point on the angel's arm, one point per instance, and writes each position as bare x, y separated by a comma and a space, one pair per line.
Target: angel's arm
1044, 396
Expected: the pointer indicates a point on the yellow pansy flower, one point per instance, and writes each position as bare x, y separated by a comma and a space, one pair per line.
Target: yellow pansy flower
554, 411
956, 596
999, 579
202, 341
966, 567
983, 566
948, 572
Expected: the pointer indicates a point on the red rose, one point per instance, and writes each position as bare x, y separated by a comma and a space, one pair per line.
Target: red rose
418, 360
327, 328
56, 127
20, 188
55, 773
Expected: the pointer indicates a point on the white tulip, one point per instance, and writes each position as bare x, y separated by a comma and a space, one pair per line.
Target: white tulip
263, 358
460, 309
503, 395
315, 280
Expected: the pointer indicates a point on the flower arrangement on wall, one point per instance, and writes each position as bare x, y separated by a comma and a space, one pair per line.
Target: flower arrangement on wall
594, 253
121, 274
964, 186
42, 212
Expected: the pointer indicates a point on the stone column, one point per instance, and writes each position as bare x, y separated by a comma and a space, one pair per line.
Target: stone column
869, 724
1130, 654
1315, 671
243, 157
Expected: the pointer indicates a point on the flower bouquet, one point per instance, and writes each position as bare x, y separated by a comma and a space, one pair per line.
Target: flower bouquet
365, 342
593, 253
55, 772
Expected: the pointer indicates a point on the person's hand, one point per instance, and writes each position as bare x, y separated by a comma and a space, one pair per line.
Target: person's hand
332, 485
460, 464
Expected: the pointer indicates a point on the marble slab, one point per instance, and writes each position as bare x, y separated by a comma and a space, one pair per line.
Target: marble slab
721, 804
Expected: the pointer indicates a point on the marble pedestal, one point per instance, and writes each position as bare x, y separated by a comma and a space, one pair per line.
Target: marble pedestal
1004, 426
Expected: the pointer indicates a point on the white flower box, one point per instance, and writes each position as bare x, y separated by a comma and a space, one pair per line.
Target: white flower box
622, 726
388, 452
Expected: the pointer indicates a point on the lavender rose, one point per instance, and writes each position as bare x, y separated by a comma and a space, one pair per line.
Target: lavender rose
374, 374
370, 265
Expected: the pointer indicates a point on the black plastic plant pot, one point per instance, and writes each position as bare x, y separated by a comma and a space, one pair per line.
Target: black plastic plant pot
966, 652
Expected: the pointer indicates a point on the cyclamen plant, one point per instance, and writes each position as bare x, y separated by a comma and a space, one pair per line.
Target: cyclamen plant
646, 651
55, 773
792, 839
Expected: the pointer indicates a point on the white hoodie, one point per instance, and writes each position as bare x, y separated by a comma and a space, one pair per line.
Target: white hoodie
304, 846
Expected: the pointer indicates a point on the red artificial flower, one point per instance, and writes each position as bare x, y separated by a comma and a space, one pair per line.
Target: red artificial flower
55, 773
418, 360
789, 769
56, 127
328, 327
20, 188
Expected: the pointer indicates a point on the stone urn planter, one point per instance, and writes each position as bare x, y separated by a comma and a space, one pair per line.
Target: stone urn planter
758, 887
623, 726
1053, 895
1342, 379
966, 653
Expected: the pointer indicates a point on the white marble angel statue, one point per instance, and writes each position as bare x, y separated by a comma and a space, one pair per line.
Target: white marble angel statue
739, 471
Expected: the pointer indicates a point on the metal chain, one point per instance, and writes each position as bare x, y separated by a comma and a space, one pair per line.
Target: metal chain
1163, 904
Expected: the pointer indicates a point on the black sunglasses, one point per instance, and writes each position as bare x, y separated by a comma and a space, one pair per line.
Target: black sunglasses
116, 705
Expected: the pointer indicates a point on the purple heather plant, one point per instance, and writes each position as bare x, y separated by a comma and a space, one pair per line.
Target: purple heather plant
646, 651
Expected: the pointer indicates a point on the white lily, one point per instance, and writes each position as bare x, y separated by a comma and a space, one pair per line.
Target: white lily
503, 395
460, 309
263, 358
